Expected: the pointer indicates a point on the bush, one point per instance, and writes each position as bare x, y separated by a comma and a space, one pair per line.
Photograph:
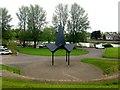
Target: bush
12, 46
107, 45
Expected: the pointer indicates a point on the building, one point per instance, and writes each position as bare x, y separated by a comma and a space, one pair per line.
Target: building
112, 36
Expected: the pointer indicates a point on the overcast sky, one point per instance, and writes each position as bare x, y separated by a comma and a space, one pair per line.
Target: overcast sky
102, 14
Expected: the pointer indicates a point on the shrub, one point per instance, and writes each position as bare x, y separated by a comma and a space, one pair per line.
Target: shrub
107, 45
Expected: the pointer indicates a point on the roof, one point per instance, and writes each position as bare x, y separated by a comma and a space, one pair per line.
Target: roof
60, 42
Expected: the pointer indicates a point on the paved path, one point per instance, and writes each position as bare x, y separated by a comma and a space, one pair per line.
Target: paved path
40, 66
23, 58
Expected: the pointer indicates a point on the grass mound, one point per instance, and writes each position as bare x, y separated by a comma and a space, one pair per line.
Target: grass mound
12, 83
108, 66
112, 53
11, 69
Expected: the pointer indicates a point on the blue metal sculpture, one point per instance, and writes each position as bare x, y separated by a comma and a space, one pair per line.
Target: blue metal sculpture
60, 42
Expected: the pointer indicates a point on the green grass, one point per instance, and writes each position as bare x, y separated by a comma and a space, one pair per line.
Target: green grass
108, 66
12, 83
46, 52
112, 53
11, 69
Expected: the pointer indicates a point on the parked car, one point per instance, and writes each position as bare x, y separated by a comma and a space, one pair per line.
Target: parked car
4, 51
99, 46
3, 48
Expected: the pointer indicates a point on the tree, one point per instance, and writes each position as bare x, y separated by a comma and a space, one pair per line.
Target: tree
79, 37
5, 18
78, 23
104, 37
22, 16
17, 31
48, 34
9, 35
60, 15
5, 27
96, 35
36, 20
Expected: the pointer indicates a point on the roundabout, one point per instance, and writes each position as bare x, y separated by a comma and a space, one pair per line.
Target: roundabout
40, 68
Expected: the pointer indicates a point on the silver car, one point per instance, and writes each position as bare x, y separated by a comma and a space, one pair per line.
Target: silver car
4, 51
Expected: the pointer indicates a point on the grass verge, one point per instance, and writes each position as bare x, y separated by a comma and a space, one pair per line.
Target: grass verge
112, 53
8, 68
12, 83
108, 66
46, 52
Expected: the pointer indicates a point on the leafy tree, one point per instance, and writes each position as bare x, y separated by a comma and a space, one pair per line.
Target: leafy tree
78, 23
22, 35
79, 37
96, 35
22, 16
60, 15
5, 27
9, 35
17, 31
5, 18
48, 34
36, 20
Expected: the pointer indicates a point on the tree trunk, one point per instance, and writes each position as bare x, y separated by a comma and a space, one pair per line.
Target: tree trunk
34, 43
74, 41
23, 43
24, 35
48, 40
